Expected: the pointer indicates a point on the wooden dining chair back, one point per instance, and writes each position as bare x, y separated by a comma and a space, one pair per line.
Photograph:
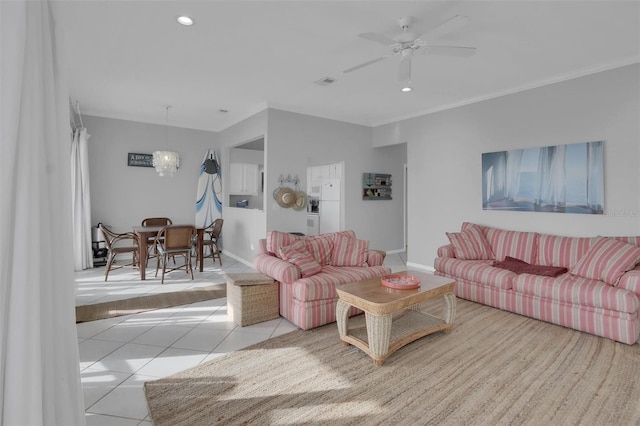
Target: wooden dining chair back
157, 221
154, 221
212, 240
119, 244
174, 241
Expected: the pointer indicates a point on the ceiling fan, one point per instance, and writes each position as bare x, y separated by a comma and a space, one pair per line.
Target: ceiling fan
406, 43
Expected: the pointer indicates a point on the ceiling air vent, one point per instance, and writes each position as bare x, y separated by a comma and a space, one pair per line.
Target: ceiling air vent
325, 81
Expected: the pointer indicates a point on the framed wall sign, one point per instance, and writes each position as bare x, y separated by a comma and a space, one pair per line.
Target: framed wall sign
139, 160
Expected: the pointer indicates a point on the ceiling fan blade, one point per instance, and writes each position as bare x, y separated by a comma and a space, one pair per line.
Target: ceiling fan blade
378, 38
366, 64
404, 72
460, 51
447, 27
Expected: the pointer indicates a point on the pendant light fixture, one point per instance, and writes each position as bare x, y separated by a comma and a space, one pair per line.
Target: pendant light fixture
166, 162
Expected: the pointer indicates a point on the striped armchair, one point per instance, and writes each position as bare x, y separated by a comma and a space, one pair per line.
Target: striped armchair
308, 269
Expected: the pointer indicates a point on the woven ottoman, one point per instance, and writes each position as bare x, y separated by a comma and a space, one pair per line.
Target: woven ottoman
252, 298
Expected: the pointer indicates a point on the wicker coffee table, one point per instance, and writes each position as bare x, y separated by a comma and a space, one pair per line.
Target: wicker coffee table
393, 317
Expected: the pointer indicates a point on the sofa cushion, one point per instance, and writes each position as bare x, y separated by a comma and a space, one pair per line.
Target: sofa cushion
607, 260
554, 250
521, 245
349, 251
323, 285
479, 271
576, 290
470, 244
297, 254
634, 241
348, 233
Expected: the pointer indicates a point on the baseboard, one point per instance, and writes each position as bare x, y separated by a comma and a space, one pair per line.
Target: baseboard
427, 268
396, 251
238, 258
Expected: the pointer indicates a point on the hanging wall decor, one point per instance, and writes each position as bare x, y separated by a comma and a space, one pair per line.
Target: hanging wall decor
558, 179
376, 186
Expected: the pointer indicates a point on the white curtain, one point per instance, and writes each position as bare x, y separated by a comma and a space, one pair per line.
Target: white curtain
595, 176
514, 163
551, 189
39, 370
497, 177
81, 201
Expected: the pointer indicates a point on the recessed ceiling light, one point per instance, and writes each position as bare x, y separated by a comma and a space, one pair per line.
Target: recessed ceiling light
185, 20
406, 89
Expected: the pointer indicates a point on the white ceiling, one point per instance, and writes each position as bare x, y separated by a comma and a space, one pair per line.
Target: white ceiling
128, 59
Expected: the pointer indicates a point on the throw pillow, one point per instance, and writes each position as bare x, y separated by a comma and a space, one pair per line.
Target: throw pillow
349, 251
470, 244
277, 240
298, 255
320, 248
607, 260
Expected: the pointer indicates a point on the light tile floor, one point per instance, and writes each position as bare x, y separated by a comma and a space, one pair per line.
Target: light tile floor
118, 355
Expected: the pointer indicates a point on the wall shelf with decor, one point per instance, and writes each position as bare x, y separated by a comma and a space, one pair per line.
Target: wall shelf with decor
376, 186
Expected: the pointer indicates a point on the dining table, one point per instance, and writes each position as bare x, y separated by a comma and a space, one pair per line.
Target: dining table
146, 232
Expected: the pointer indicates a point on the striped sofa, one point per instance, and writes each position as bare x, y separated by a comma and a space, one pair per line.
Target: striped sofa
599, 293
308, 269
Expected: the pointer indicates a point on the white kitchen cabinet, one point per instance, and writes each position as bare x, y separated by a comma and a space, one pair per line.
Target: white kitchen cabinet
243, 179
316, 173
325, 171
335, 171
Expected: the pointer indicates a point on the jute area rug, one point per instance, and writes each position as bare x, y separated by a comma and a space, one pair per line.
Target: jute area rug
147, 303
494, 368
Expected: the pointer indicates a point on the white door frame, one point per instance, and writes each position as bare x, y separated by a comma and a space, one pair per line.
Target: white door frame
405, 208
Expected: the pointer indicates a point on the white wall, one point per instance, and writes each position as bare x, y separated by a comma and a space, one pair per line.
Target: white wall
444, 157
242, 228
296, 141
121, 196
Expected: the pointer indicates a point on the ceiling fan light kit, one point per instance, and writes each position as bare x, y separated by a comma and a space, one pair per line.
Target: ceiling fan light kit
185, 20
407, 42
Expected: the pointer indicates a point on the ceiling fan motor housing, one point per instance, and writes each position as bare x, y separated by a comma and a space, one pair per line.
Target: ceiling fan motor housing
405, 21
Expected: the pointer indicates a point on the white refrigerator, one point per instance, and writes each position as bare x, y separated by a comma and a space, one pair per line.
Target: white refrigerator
330, 206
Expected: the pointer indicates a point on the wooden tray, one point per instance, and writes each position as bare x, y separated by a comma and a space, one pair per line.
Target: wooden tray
400, 281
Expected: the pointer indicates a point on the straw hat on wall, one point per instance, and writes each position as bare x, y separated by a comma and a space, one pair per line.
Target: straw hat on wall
300, 201
285, 197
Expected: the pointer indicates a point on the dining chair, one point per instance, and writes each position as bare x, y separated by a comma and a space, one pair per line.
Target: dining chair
154, 221
211, 240
175, 241
119, 244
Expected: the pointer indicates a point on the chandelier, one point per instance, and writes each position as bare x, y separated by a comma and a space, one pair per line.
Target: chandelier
166, 162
